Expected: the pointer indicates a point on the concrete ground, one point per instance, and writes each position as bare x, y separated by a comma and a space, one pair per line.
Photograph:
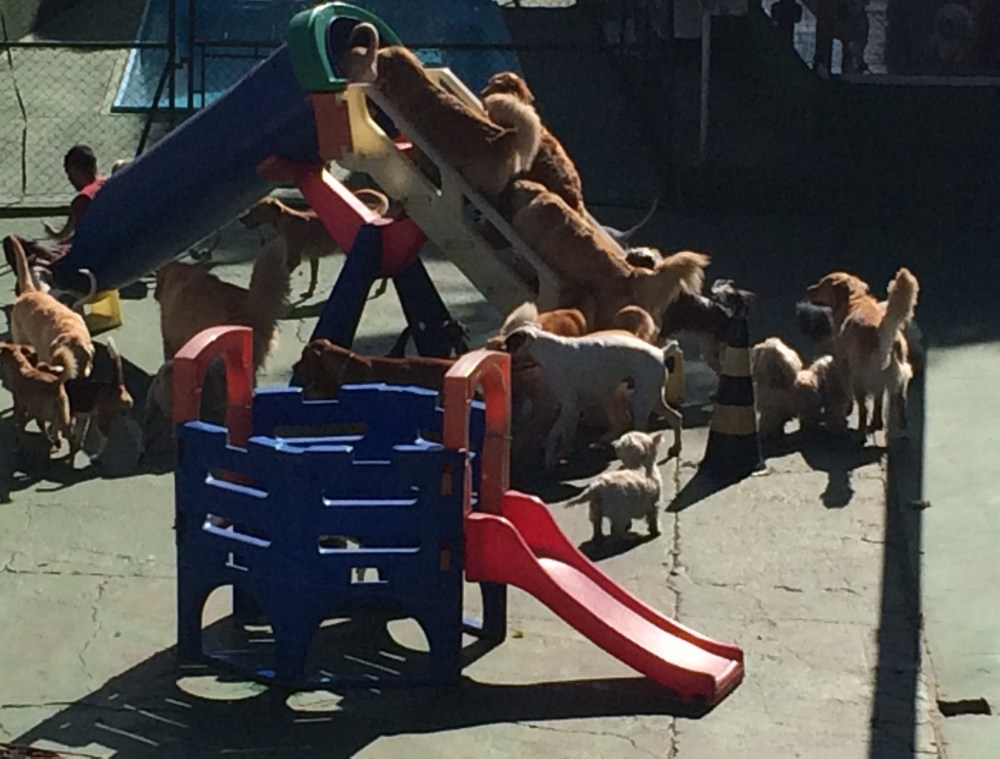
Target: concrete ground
960, 535
796, 565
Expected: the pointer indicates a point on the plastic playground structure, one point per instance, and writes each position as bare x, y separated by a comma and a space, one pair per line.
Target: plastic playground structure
258, 499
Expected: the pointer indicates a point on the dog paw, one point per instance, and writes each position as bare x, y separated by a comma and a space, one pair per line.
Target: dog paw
675, 451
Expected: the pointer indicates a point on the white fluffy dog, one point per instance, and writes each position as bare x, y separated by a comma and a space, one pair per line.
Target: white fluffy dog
632, 492
589, 369
785, 390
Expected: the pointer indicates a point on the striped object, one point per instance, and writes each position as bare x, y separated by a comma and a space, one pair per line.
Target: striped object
733, 450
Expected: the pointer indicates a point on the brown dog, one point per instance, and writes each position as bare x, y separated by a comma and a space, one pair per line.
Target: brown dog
38, 392
191, 299
98, 403
325, 366
57, 332
582, 256
869, 345
306, 236
552, 167
485, 154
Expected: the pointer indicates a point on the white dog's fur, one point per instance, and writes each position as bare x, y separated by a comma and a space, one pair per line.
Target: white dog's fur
633, 448
589, 369
632, 492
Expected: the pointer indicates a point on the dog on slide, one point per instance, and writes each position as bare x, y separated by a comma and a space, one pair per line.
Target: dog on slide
55, 331
784, 389
485, 153
631, 492
869, 344
552, 167
588, 259
588, 370
191, 300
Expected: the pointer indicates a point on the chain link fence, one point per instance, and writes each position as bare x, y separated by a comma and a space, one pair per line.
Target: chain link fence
119, 74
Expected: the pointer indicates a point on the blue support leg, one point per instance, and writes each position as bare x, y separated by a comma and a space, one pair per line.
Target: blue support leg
338, 321
424, 309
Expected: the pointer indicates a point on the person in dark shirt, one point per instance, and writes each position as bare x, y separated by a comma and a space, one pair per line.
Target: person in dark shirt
80, 164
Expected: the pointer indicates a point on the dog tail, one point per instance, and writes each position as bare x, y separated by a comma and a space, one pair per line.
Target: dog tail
368, 72
507, 111
375, 200
25, 282
899, 307
524, 315
670, 353
582, 497
815, 322
269, 286
79, 303
62, 356
622, 238
688, 267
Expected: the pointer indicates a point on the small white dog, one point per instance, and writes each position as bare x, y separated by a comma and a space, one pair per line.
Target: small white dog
785, 390
632, 492
589, 369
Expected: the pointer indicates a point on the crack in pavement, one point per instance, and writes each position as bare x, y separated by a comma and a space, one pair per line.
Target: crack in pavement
97, 627
602, 733
77, 573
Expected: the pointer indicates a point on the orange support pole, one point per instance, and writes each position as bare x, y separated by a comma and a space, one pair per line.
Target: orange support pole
491, 370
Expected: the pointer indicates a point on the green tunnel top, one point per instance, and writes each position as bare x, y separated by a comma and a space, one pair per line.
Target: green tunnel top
307, 43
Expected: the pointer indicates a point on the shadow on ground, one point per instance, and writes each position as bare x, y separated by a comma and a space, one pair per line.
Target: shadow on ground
151, 708
896, 709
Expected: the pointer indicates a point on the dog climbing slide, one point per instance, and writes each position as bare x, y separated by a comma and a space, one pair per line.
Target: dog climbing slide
523, 546
293, 108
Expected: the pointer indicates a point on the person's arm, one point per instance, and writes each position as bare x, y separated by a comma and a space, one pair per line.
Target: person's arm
60, 235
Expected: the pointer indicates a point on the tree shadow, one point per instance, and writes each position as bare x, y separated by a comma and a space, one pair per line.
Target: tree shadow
151, 707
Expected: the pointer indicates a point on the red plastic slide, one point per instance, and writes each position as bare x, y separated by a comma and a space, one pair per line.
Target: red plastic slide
525, 547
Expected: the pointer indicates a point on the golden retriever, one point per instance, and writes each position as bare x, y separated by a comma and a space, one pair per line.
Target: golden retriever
486, 154
869, 344
191, 300
552, 167
584, 257
57, 332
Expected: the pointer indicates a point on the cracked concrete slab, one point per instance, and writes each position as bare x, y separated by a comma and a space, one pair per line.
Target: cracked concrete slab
86, 582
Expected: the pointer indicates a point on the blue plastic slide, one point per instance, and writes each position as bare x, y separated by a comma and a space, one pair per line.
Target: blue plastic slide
194, 180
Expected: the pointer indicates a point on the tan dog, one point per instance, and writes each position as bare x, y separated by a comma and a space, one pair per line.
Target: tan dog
57, 332
785, 390
486, 154
191, 299
325, 366
38, 392
869, 344
583, 256
306, 236
552, 167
